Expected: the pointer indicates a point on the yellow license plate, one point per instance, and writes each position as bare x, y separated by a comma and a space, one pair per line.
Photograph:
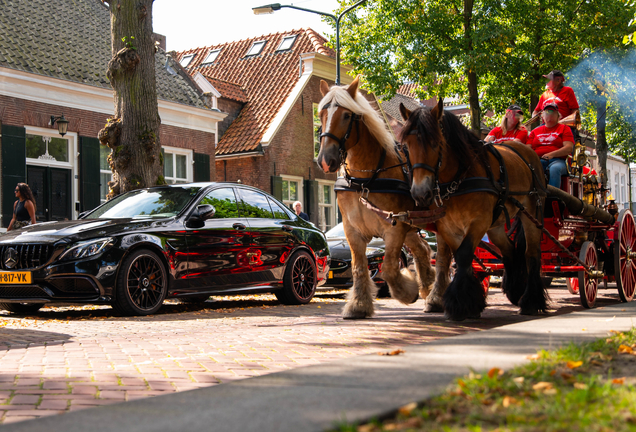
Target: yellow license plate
330, 275
15, 277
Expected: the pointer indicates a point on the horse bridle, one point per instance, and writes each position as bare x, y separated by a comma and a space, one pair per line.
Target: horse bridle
435, 170
341, 141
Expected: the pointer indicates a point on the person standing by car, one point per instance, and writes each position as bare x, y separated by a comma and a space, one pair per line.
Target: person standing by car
23, 208
511, 128
298, 208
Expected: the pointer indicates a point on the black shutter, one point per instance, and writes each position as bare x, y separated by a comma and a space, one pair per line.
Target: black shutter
13, 167
311, 201
277, 187
201, 167
89, 173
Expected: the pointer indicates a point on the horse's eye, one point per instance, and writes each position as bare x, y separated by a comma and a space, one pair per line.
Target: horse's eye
347, 116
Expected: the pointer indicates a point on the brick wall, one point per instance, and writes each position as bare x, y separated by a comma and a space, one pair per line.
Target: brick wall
21, 112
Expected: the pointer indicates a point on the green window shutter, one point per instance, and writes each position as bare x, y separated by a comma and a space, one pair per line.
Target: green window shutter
89, 173
201, 167
311, 200
13, 167
277, 187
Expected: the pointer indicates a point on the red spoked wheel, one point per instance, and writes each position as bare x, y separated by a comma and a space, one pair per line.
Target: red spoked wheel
625, 256
588, 286
573, 284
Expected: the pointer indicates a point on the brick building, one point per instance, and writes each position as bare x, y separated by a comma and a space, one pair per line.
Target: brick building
270, 88
53, 60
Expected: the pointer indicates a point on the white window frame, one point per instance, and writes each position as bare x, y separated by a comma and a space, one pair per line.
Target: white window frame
214, 53
300, 190
255, 46
291, 38
72, 164
623, 194
322, 224
186, 60
189, 154
104, 171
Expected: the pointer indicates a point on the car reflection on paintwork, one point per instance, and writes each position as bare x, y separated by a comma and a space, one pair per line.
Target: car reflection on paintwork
186, 241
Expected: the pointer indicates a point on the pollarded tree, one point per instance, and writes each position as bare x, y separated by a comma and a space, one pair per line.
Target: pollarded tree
133, 132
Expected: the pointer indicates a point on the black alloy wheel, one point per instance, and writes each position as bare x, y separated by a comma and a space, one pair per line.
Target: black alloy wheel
300, 280
21, 308
142, 284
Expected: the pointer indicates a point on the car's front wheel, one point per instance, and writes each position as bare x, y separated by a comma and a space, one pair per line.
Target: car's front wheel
300, 280
21, 308
142, 284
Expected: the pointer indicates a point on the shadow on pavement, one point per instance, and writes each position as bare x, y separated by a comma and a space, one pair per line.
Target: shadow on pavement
19, 338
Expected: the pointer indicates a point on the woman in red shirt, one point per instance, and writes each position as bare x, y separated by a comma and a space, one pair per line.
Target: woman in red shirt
511, 128
553, 142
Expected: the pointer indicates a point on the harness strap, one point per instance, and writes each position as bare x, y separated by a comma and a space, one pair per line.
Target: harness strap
421, 217
380, 185
500, 206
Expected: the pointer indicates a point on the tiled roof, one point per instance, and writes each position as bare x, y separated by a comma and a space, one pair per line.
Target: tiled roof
70, 40
392, 106
408, 89
266, 79
228, 90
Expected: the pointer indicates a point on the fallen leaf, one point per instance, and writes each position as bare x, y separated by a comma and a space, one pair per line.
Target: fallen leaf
567, 376
407, 409
583, 329
494, 372
509, 400
392, 353
552, 372
542, 385
486, 402
580, 386
318, 307
624, 349
618, 381
550, 391
596, 362
533, 357
519, 380
574, 364
461, 383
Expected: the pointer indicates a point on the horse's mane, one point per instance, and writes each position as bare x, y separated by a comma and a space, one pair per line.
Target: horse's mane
361, 106
462, 143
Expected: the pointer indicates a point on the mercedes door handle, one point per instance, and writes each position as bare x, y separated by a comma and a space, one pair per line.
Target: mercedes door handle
287, 228
238, 226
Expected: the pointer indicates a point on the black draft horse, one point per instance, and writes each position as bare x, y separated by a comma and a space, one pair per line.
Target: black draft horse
481, 188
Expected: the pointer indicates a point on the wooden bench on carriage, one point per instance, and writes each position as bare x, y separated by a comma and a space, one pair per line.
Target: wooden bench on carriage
588, 242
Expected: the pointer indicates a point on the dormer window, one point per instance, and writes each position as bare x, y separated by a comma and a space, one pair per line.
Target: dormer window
256, 48
287, 43
212, 56
185, 61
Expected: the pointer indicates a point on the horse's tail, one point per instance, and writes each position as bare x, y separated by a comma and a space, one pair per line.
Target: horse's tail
515, 276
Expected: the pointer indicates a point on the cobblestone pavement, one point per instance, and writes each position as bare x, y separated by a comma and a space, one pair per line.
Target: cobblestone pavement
70, 358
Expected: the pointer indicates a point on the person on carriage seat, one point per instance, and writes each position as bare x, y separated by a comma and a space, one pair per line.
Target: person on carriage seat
558, 93
511, 128
553, 142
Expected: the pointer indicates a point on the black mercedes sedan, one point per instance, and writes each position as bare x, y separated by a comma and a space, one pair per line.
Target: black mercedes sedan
185, 241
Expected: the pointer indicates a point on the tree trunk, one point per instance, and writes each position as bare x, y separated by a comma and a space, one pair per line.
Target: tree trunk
133, 133
601, 141
471, 74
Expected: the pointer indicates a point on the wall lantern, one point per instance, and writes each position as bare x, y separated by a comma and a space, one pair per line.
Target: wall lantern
62, 124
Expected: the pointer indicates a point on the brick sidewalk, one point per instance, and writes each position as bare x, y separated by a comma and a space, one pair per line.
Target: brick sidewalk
70, 358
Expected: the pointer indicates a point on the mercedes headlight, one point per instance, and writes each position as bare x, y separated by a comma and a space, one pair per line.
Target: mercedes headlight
86, 249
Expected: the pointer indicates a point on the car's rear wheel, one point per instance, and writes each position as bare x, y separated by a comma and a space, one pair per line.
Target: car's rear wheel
142, 284
21, 308
300, 280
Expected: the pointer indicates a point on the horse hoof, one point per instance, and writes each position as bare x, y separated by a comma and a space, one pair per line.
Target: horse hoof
529, 312
475, 315
456, 318
417, 296
433, 308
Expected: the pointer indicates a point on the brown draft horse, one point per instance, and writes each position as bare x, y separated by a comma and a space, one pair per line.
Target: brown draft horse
355, 137
446, 154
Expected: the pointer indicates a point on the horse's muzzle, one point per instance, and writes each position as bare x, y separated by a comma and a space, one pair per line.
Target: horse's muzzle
422, 194
328, 162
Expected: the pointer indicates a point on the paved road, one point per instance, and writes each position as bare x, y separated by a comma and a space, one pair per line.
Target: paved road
72, 358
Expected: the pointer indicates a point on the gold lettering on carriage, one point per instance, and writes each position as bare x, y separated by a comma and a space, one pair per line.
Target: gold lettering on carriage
15, 278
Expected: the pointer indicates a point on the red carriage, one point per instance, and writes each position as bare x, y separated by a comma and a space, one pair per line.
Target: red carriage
585, 241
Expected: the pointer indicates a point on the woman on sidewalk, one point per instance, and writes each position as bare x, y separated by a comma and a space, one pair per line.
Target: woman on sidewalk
23, 208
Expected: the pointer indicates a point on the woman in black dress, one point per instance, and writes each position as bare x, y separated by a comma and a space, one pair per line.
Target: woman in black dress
23, 208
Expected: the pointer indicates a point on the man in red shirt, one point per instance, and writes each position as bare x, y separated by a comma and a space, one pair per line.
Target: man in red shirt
553, 142
556, 92
510, 129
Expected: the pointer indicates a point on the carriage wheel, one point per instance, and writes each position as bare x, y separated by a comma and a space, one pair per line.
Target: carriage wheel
573, 284
625, 256
588, 286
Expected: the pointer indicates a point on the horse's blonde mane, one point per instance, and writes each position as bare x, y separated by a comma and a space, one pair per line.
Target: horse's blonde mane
361, 106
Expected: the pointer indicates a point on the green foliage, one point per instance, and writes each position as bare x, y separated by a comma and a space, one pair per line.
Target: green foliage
128, 41
225, 208
509, 45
